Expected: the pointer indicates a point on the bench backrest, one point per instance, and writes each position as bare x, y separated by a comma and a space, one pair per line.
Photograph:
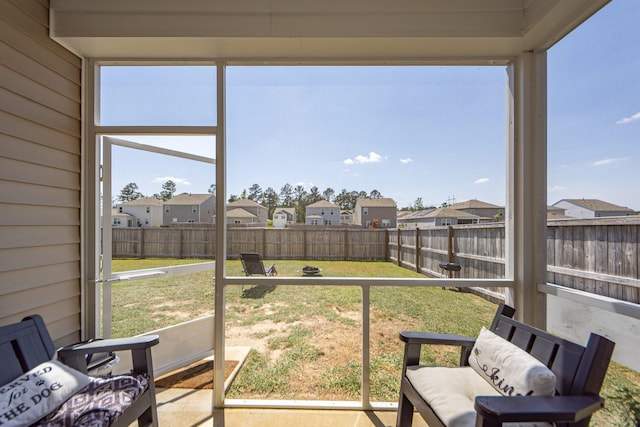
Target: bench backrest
579, 369
23, 346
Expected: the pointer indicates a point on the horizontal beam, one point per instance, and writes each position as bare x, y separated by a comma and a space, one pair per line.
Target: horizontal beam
369, 282
617, 280
599, 301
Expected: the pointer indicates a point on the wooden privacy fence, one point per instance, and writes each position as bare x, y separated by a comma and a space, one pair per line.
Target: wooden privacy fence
199, 242
478, 248
600, 256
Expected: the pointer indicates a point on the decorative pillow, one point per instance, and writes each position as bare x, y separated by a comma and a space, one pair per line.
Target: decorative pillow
98, 404
509, 369
34, 394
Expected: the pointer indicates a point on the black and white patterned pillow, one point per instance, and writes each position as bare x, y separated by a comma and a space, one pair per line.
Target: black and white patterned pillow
100, 403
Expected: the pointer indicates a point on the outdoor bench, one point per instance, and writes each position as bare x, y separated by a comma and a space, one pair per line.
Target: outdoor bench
36, 389
512, 372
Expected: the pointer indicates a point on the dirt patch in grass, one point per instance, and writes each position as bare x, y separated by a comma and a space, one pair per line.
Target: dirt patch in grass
337, 345
256, 336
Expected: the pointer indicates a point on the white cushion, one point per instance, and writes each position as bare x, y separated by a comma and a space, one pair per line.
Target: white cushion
451, 393
38, 392
509, 369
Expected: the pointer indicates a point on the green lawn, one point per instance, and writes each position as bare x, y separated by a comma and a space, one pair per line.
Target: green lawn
306, 340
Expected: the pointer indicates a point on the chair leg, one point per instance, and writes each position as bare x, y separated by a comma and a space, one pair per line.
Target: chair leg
148, 418
405, 411
481, 422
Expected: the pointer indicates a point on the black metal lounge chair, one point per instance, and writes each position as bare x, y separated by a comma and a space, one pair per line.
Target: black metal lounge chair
252, 265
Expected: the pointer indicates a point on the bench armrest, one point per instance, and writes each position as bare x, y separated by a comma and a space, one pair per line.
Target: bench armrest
439, 339
140, 347
414, 340
499, 409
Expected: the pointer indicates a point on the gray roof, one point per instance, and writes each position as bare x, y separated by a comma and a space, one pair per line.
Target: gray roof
239, 213
557, 215
474, 204
244, 203
188, 199
418, 214
449, 213
143, 201
596, 205
377, 202
323, 204
290, 211
116, 213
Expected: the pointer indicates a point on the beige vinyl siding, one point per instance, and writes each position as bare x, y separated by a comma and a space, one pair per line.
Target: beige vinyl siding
40, 93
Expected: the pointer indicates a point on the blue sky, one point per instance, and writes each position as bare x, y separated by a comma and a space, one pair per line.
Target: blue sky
431, 132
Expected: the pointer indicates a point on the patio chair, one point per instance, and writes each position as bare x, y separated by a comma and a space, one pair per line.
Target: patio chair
42, 390
252, 265
512, 372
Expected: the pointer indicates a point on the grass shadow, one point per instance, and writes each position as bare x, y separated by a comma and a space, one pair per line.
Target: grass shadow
257, 292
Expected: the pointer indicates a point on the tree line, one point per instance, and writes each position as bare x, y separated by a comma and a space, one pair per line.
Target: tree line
289, 196
130, 192
299, 198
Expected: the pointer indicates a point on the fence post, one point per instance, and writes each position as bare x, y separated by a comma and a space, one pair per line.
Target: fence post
450, 248
346, 244
264, 243
141, 243
387, 253
304, 241
399, 248
417, 263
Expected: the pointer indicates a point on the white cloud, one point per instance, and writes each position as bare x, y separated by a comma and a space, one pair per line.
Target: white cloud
556, 188
405, 161
371, 158
481, 181
609, 161
626, 120
183, 181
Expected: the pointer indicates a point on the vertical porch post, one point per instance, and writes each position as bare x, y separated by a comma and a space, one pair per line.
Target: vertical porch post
221, 242
526, 209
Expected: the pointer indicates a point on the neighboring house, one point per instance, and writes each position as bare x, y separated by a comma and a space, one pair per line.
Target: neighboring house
239, 216
592, 208
189, 208
346, 217
283, 217
322, 213
554, 212
480, 208
121, 220
414, 219
261, 213
382, 211
146, 210
449, 216
401, 214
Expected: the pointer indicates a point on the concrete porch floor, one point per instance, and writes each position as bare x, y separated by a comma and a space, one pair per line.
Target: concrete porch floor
191, 408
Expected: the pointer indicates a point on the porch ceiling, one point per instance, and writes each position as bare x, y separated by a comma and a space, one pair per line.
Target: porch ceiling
312, 31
